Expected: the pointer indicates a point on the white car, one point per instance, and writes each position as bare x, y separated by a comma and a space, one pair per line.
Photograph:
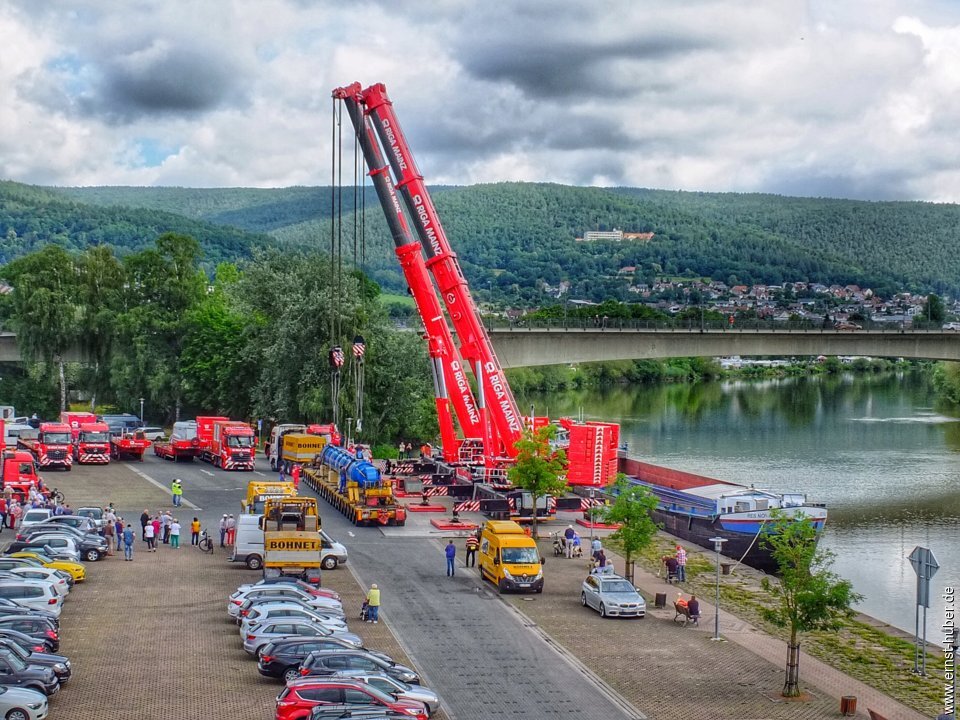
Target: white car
33, 594
61, 545
304, 598
259, 635
272, 611
35, 516
22, 703
54, 577
612, 595
154, 433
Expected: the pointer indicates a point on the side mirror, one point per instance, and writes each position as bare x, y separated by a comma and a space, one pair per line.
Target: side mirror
543, 561
496, 560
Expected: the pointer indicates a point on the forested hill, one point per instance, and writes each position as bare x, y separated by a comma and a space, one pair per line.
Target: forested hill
510, 236
31, 217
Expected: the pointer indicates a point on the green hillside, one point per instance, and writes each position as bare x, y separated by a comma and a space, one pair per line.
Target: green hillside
31, 217
511, 236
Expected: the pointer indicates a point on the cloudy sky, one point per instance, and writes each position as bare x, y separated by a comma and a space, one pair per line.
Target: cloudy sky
848, 98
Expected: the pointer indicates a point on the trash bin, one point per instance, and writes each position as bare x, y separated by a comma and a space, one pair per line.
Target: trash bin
725, 568
660, 601
848, 705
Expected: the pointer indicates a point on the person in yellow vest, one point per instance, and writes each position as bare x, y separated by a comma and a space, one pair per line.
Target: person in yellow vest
195, 532
373, 604
176, 490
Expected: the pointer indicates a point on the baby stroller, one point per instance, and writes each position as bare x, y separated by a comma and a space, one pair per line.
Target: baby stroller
364, 614
559, 544
577, 551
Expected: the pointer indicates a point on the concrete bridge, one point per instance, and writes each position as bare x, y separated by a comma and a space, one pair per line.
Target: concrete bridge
522, 346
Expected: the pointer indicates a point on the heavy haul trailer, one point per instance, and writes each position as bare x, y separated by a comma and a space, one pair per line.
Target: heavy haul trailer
183, 443
129, 445
355, 488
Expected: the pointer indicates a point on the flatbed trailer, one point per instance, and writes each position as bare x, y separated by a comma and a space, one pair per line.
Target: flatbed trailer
370, 505
131, 446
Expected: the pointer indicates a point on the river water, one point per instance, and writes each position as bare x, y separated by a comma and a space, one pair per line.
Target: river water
872, 447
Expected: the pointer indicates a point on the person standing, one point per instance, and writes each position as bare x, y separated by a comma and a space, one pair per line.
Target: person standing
144, 519
373, 604
195, 532
451, 552
119, 532
295, 476
681, 564
401, 447
231, 530
128, 542
409, 450
568, 541
177, 489
166, 520
175, 534
109, 526
472, 544
151, 537
3, 513
155, 522
223, 530
595, 547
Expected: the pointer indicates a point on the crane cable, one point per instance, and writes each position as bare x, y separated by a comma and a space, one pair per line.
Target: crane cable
335, 356
359, 344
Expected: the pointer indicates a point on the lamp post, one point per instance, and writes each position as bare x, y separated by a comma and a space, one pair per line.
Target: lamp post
349, 431
718, 546
141, 411
591, 515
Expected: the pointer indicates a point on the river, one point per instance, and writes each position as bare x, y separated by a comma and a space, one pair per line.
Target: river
872, 447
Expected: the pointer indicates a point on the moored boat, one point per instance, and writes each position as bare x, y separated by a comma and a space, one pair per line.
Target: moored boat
698, 508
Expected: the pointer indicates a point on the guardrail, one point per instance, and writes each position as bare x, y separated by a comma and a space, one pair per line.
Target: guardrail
740, 326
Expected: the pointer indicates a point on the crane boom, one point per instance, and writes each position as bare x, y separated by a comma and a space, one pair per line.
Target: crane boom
475, 345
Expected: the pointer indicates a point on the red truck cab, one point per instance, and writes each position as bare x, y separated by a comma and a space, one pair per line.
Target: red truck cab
91, 444
226, 443
19, 472
327, 430
52, 446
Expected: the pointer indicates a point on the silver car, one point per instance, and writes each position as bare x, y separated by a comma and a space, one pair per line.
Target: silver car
22, 704
304, 598
611, 595
266, 632
393, 686
272, 611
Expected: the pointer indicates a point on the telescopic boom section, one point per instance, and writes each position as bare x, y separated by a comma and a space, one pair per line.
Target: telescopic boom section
475, 345
448, 367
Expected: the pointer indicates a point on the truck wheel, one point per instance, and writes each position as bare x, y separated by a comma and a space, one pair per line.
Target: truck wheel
69, 468
329, 563
254, 562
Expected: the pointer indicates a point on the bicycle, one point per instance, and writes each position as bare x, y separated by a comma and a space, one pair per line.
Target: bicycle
206, 544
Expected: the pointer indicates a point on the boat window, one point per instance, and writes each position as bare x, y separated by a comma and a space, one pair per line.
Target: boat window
741, 507
761, 504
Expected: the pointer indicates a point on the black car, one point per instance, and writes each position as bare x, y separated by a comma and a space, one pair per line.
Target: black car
282, 659
58, 663
30, 644
35, 627
92, 547
18, 673
328, 662
9, 607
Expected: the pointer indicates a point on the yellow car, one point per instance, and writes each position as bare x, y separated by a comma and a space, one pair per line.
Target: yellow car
77, 571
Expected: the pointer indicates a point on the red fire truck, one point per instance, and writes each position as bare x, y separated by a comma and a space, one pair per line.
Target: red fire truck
229, 444
51, 446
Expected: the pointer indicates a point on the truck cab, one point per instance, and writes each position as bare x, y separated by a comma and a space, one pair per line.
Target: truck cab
51, 446
509, 557
229, 444
258, 492
291, 538
91, 443
19, 472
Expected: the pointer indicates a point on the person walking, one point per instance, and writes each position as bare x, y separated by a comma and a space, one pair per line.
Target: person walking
128, 542
451, 552
373, 604
144, 519
151, 537
176, 488
681, 564
175, 534
195, 532
568, 541
223, 530
471, 557
157, 525
231, 529
595, 547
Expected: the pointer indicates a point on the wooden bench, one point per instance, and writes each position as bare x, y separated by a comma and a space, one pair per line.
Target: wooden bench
683, 615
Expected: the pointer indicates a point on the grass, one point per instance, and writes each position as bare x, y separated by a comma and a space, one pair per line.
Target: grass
860, 650
390, 299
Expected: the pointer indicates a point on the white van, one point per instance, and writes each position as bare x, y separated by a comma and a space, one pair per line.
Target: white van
248, 545
33, 594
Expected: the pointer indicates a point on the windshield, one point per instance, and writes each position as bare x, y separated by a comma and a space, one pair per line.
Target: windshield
90, 512
241, 441
56, 438
520, 556
16, 663
618, 586
92, 437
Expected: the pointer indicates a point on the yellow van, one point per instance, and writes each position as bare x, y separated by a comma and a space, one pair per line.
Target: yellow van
259, 490
509, 557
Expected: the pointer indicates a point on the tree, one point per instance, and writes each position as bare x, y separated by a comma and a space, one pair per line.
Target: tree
100, 293
538, 468
631, 509
807, 595
933, 311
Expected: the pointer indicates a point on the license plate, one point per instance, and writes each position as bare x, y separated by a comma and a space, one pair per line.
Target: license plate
524, 584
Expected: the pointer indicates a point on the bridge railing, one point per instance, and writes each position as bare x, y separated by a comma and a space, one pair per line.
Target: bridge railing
690, 324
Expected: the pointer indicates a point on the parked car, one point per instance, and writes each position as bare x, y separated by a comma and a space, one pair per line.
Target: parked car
54, 577
261, 612
296, 582
76, 569
34, 594
260, 634
296, 700
90, 546
27, 642
34, 516
391, 686
356, 712
36, 627
48, 543
9, 607
282, 658
328, 662
16, 672
79, 522
58, 663
279, 592
612, 595
951, 326
94, 513
22, 703
844, 325
152, 433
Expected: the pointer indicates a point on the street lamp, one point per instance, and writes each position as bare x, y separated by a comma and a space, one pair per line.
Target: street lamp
591, 515
349, 431
718, 546
141, 411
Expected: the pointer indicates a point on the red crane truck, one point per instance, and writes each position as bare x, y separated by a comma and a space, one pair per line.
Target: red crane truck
51, 446
229, 444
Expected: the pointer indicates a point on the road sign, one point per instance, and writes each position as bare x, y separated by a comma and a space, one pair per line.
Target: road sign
925, 565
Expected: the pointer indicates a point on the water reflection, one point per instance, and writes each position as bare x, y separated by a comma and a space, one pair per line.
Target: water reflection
875, 448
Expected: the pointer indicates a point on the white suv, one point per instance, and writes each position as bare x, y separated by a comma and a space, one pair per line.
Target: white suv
33, 594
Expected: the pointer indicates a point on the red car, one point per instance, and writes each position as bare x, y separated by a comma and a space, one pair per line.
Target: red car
296, 700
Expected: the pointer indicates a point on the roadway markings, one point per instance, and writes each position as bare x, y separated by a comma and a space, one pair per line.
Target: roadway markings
206, 472
160, 485
257, 472
351, 533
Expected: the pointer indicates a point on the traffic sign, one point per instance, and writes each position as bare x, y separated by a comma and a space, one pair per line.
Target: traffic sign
925, 565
